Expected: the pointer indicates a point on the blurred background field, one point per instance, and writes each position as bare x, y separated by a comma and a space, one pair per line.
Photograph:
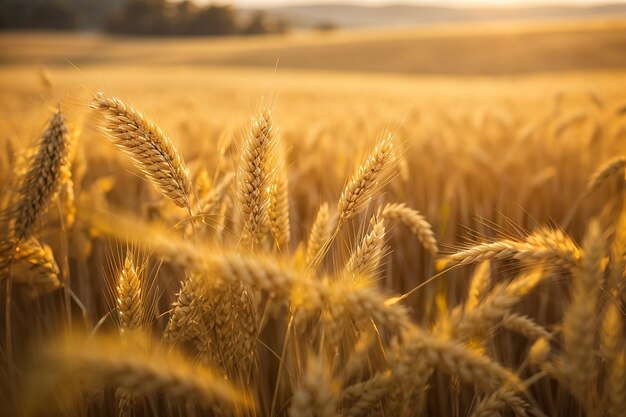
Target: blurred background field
504, 96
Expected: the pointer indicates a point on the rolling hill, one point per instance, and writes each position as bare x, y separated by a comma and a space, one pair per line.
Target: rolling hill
356, 16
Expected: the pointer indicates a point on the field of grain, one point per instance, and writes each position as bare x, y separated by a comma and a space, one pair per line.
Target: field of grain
189, 229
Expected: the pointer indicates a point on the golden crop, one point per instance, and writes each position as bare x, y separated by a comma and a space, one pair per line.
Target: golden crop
193, 241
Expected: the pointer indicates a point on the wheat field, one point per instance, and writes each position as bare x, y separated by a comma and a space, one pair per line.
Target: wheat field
190, 240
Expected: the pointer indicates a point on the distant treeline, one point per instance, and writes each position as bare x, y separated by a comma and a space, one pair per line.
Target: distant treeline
136, 17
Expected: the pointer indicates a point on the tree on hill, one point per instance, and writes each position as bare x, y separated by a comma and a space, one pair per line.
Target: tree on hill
41, 14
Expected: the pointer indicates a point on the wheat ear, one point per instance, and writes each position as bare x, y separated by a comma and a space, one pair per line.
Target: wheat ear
44, 276
211, 202
479, 284
254, 177
580, 322
421, 351
140, 367
371, 175
609, 169
320, 233
525, 326
414, 221
190, 301
492, 405
546, 245
130, 315
149, 148
616, 385
129, 298
316, 393
495, 305
232, 319
278, 210
612, 331
367, 256
42, 179
365, 396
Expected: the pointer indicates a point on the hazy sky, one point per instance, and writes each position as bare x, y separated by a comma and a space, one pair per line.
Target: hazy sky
467, 3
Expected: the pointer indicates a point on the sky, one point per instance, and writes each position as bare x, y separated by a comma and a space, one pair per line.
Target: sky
467, 3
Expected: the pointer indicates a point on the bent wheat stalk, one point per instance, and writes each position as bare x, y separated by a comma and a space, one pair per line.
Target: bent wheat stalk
414, 221
149, 148
544, 245
138, 367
